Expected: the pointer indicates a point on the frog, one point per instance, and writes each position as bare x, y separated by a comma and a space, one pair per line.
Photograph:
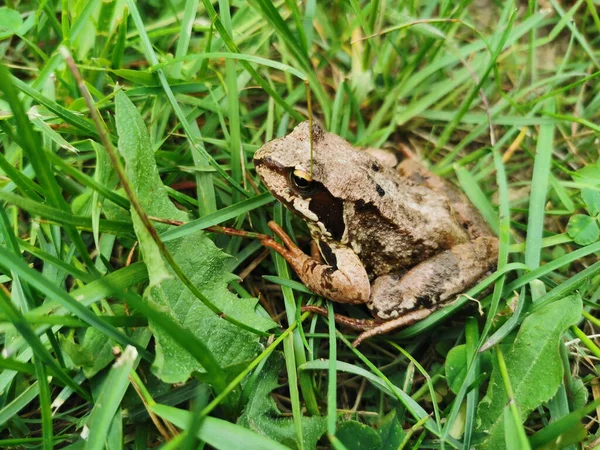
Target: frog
390, 234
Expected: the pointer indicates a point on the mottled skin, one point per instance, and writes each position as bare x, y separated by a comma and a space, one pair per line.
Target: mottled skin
399, 239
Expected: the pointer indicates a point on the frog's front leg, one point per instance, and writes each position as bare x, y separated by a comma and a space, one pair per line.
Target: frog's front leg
346, 281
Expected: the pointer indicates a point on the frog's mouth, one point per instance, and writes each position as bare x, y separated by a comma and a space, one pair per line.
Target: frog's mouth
318, 206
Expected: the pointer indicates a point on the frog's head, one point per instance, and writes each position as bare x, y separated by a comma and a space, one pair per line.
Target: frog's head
284, 166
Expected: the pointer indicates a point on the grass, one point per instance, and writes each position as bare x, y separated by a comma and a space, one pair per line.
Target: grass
120, 119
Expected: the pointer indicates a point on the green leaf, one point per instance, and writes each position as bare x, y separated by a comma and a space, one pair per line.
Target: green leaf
94, 353
357, 436
456, 366
533, 365
10, 22
583, 229
390, 431
589, 174
261, 413
578, 393
591, 198
197, 256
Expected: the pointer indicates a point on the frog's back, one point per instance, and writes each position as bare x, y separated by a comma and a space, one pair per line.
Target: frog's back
399, 223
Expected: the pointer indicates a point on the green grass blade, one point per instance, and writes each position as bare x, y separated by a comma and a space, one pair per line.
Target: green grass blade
218, 432
466, 104
477, 197
63, 217
19, 402
109, 400
82, 124
44, 398
290, 365
218, 217
33, 147
37, 346
331, 375
9, 261
176, 108
232, 47
537, 201
189, 14
515, 436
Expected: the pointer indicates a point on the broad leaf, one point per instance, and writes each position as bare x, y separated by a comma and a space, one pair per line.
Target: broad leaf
357, 436
390, 431
591, 198
10, 22
588, 174
583, 229
456, 366
534, 368
261, 413
94, 353
578, 393
197, 256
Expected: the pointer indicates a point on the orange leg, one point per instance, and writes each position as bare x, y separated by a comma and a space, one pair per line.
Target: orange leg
346, 283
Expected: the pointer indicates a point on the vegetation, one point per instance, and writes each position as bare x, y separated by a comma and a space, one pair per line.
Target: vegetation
121, 120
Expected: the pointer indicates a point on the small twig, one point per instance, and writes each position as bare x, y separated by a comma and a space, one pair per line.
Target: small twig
130, 255
310, 124
407, 25
515, 145
596, 394
160, 426
254, 264
359, 395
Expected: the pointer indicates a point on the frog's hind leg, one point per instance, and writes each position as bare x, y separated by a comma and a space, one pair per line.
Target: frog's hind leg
371, 327
355, 324
391, 325
404, 299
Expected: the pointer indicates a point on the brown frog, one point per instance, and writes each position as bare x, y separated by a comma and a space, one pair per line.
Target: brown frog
395, 237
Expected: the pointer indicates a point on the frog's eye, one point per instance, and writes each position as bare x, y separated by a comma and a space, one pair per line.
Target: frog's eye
302, 182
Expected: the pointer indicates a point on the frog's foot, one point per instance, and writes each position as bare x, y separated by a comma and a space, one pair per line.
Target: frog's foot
344, 282
390, 325
355, 324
